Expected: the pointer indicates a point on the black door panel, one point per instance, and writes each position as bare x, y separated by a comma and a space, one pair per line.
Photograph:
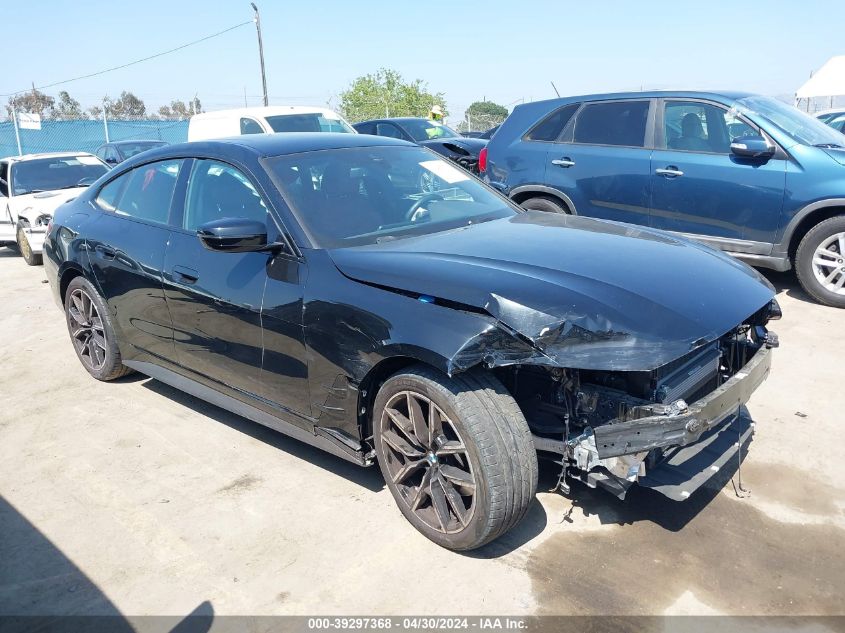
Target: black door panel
132, 284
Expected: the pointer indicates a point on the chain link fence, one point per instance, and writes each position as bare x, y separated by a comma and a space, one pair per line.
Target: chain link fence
478, 122
25, 134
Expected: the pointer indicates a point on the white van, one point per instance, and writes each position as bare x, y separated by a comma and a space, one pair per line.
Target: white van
223, 123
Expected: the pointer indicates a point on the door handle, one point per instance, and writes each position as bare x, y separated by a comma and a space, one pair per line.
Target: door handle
185, 275
563, 162
105, 252
670, 171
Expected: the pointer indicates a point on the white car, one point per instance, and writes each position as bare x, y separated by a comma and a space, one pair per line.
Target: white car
32, 186
265, 120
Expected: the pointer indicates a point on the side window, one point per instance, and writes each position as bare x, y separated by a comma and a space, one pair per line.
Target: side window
148, 191
366, 128
694, 126
112, 156
109, 194
100, 153
613, 123
388, 129
250, 126
217, 190
550, 128
4, 179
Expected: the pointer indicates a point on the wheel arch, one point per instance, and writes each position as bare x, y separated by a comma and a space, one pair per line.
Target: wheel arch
369, 386
523, 193
809, 217
66, 275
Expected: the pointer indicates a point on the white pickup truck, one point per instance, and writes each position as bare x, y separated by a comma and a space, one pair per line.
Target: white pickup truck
32, 186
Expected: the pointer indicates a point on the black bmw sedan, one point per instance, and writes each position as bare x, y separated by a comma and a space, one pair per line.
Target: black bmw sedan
308, 283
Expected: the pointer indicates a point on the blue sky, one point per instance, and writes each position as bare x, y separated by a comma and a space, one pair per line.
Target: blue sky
504, 51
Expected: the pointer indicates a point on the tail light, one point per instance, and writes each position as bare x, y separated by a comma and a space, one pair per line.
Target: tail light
482, 160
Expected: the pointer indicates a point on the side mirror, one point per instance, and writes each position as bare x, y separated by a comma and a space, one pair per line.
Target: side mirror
233, 235
752, 147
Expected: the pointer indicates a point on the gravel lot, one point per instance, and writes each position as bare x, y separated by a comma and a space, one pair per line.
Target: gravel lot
133, 498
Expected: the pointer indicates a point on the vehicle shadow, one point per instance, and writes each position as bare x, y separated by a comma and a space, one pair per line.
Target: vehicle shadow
369, 478
787, 283
41, 589
530, 527
644, 504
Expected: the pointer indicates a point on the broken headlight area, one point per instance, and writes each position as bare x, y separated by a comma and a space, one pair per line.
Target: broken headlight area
677, 424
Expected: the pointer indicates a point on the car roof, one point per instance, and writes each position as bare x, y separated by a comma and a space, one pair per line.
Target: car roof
135, 141
263, 111
398, 118
280, 143
655, 94
26, 157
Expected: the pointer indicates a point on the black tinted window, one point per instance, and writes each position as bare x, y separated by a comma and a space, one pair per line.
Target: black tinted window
615, 123
550, 128
149, 190
250, 126
388, 129
217, 190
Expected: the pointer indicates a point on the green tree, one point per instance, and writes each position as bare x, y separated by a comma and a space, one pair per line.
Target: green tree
386, 94
482, 115
32, 101
125, 106
67, 107
178, 110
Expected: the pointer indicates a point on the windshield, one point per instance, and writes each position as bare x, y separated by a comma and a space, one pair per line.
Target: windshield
800, 126
422, 130
364, 195
311, 122
46, 174
128, 150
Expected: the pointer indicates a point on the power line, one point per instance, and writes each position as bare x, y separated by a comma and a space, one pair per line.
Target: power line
137, 61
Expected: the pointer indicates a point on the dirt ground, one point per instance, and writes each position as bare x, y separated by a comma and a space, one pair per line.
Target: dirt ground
132, 498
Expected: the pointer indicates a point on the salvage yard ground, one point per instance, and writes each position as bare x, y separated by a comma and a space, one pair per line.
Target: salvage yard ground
133, 498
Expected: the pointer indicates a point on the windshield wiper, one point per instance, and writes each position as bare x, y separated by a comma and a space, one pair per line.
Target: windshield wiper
828, 145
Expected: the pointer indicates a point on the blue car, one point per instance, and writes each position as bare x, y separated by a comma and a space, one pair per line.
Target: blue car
744, 173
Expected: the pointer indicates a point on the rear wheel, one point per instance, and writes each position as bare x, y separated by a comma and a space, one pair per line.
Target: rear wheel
820, 262
456, 454
543, 203
32, 259
91, 331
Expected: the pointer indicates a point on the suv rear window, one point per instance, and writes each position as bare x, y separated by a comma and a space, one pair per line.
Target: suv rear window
613, 123
550, 128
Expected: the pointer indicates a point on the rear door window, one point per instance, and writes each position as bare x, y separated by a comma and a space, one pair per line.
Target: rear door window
146, 193
388, 129
550, 128
251, 126
612, 123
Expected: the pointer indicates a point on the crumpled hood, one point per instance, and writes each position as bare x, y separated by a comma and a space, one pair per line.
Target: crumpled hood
32, 205
471, 145
580, 292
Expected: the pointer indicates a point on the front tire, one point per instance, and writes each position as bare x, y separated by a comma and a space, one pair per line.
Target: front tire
32, 259
91, 332
820, 262
547, 204
456, 453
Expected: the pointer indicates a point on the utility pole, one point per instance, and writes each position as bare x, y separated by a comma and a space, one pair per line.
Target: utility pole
257, 20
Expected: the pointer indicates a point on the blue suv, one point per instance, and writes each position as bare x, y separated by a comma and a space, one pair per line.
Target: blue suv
740, 172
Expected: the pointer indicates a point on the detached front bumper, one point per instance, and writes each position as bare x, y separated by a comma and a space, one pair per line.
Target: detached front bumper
691, 443
683, 427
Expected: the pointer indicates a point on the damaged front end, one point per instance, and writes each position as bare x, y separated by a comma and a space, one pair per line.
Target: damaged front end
670, 428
